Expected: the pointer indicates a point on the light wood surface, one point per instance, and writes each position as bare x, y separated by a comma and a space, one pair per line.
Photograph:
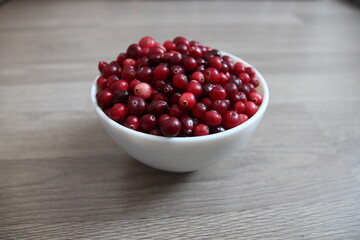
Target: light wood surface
62, 177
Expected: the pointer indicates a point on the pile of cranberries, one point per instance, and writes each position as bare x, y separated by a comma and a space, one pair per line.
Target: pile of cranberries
178, 88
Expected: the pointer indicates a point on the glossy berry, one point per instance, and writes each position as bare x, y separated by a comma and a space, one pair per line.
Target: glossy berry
169, 45
223, 78
147, 122
104, 98
112, 79
101, 82
176, 111
239, 96
208, 102
157, 107
174, 99
189, 64
120, 96
217, 129
156, 50
215, 62
180, 80
250, 71
255, 97
194, 87
187, 100
119, 85
134, 51
218, 93
118, 112
245, 78
187, 124
136, 106
154, 132
132, 85
239, 68
182, 48
198, 76
243, 118
168, 89
109, 70
162, 118
211, 75
176, 69
220, 106
143, 90
201, 130
145, 74
195, 52
128, 74
132, 122
121, 57
199, 110
161, 72
239, 107
230, 119
250, 108
129, 62
175, 59
231, 89
212, 118
102, 65
147, 42
181, 40
171, 127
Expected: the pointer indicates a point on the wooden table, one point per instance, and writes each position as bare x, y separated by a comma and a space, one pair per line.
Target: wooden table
62, 177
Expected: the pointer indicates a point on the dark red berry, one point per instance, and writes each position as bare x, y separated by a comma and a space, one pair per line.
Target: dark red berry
109, 70
208, 102
157, 107
128, 74
201, 130
104, 98
189, 64
217, 129
156, 50
132, 85
194, 87
182, 48
250, 108
119, 85
180, 80
255, 81
161, 72
222, 78
198, 76
239, 96
230, 89
187, 124
174, 99
118, 112
112, 79
218, 93
168, 89
155, 132
145, 74
176, 69
162, 118
239, 68
120, 96
175, 59
187, 100
212, 118
245, 89
170, 127
199, 110
195, 52
102, 65
159, 96
239, 107
176, 111
211, 75
207, 89
101, 82
220, 106
245, 78
230, 119
134, 51
147, 122
136, 106
181, 40
132, 122
169, 45
215, 62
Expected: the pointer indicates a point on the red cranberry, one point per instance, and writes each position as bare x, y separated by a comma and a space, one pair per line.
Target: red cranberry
222, 78
207, 89
187, 100
168, 89
101, 82
212, 75
118, 112
250, 71
255, 81
182, 48
208, 102
194, 87
143, 90
218, 93
245, 78
217, 129
156, 50
220, 106
128, 74
180, 80
132, 84
161, 72
155, 59
198, 76
181, 40
170, 127
145, 74
176, 69
136, 106
154, 132
230, 89
142, 62
201, 130
239, 96
159, 96
243, 118
224, 68
215, 52
252, 88
176, 59
111, 80
199, 110
189, 64
134, 51
129, 62
120, 96
212, 118
250, 108
215, 62
158, 84
132, 122
187, 124
239, 68
109, 70
147, 122
245, 89
157, 107
176, 111
194, 43
195, 52
174, 99
102, 65
162, 118
167, 56
169, 45
119, 85
121, 57
104, 98
200, 68
239, 107
256, 98
147, 42
230, 119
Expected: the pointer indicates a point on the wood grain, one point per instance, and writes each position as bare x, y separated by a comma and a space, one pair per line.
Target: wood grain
61, 176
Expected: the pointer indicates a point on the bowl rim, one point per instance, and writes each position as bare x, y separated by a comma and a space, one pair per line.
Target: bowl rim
194, 139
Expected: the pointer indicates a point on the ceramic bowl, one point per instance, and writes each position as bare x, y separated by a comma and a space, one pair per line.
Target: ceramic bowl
183, 154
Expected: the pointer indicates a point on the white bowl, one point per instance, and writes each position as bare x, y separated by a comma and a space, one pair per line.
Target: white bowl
183, 154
